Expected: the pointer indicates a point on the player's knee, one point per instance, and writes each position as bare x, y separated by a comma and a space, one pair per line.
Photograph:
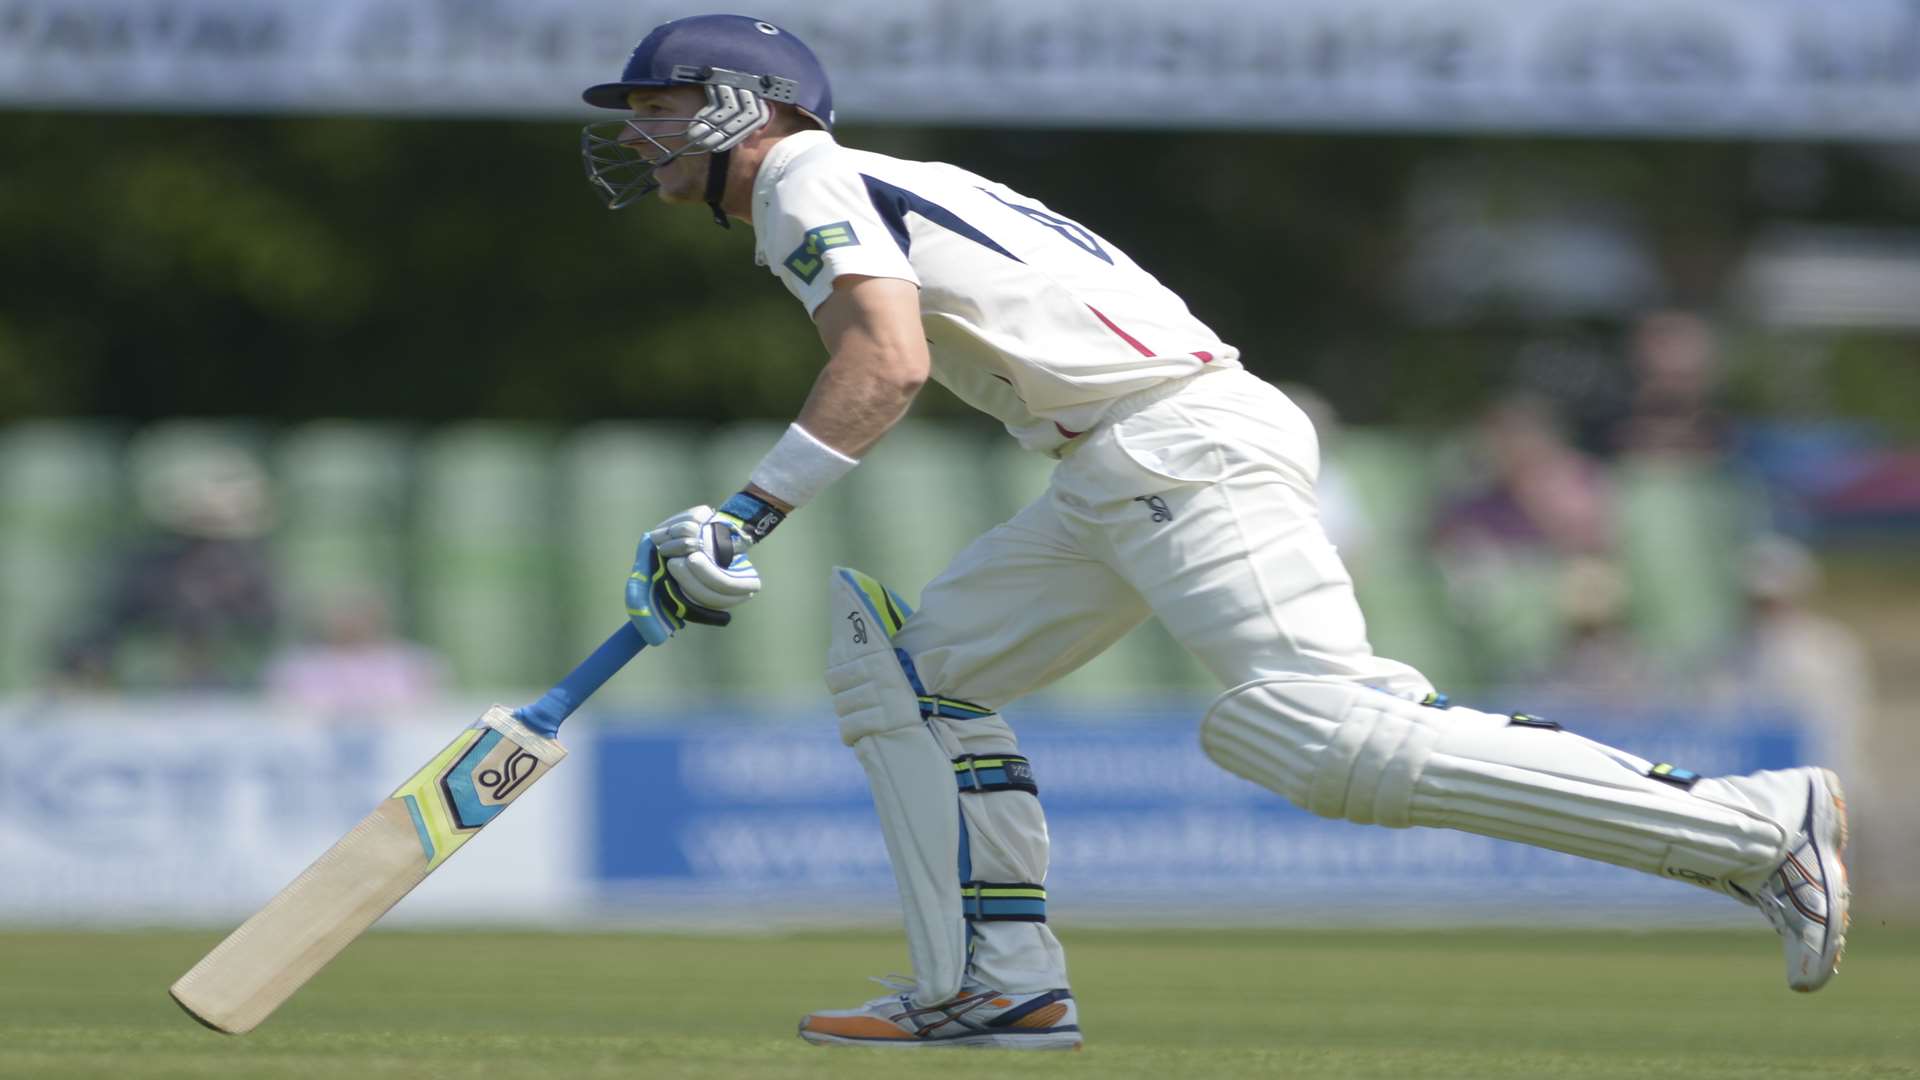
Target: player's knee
1336, 748
872, 696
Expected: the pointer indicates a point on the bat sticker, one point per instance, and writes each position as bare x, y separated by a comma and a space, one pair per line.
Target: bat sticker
512, 773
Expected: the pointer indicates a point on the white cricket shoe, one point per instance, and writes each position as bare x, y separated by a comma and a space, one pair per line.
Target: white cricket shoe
1806, 896
978, 1016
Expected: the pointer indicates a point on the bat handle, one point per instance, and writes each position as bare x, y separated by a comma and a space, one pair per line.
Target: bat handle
545, 715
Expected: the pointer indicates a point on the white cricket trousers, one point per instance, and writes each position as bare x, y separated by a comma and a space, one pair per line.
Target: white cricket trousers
1193, 502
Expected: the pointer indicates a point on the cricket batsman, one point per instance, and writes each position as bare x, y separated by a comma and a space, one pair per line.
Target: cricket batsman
1184, 490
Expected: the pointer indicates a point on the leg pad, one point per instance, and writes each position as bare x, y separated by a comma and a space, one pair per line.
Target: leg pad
1345, 751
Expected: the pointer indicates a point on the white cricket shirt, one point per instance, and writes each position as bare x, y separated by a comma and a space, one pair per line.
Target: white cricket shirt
1031, 317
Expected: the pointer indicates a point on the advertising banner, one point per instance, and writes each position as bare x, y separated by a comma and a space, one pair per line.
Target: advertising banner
155, 818
776, 822
1771, 68
148, 816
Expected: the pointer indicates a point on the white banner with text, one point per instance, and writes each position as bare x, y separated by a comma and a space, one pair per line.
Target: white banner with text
153, 819
1762, 68
150, 816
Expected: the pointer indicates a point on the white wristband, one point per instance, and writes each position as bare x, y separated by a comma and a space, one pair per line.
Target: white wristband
799, 467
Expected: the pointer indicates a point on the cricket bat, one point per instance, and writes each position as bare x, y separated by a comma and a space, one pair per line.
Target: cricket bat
427, 818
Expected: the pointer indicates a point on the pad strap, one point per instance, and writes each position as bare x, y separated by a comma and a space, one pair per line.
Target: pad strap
997, 901
994, 772
932, 705
951, 708
1675, 775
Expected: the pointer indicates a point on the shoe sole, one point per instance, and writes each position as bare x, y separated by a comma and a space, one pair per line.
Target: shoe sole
1038, 1040
1828, 824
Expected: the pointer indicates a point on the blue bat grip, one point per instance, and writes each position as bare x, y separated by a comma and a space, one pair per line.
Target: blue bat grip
545, 715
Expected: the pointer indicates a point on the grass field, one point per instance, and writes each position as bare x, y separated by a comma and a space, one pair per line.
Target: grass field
1162, 1005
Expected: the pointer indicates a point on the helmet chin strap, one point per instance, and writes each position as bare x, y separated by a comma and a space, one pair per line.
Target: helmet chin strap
717, 165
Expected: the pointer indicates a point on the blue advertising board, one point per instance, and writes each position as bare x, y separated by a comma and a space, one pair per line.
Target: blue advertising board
775, 819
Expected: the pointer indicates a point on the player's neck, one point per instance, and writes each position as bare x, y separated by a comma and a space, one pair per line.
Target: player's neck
742, 171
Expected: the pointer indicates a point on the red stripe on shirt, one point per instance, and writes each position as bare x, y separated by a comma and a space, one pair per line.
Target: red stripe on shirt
1124, 336
1205, 357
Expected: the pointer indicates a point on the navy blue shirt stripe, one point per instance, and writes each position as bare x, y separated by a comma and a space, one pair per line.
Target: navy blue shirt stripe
893, 204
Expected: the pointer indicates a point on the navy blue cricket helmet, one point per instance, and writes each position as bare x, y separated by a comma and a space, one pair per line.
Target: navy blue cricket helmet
739, 43
740, 62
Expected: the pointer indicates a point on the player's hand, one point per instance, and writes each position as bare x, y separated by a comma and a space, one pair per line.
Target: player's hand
656, 604
706, 553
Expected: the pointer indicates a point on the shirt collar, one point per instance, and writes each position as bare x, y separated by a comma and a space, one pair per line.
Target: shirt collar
775, 165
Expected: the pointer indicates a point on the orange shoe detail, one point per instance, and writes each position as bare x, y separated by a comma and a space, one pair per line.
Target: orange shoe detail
856, 1027
1043, 1017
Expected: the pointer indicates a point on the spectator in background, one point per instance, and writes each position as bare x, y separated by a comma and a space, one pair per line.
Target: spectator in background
1586, 382
356, 664
191, 606
1685, 502
1599, 660
1792, 656
1674, 409
1536, 491
1537, 502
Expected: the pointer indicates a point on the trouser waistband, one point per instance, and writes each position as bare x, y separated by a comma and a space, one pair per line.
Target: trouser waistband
1129, 404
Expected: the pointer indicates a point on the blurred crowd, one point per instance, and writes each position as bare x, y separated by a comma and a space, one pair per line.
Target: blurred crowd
192, 604
1594, 534
1603, 539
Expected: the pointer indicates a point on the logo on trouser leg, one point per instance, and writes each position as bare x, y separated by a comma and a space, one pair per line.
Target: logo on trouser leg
1156, 504
1694, 876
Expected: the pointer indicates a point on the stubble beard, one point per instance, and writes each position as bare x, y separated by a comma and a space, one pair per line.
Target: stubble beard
684, 179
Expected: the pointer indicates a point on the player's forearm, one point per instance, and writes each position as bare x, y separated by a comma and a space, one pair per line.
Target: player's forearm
862, 392
877, 362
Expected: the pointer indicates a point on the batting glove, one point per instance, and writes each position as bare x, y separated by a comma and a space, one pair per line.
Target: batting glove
706, 554
656, 604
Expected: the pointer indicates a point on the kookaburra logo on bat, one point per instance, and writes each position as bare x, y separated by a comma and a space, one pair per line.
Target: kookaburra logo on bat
511, 774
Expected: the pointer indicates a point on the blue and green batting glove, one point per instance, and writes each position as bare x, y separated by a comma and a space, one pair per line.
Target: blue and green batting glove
655, 602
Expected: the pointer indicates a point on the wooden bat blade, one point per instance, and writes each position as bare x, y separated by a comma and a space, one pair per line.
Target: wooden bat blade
346, 890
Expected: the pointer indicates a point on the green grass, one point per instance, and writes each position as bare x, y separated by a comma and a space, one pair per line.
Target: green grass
1162, 1005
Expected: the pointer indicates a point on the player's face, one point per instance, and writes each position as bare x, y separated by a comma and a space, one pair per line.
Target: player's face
661, 114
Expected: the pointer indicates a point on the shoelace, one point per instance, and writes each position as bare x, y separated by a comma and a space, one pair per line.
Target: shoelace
1787, 891
903, 987
906, 985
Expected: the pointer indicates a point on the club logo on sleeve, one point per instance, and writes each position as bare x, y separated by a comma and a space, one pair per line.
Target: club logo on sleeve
806, 261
